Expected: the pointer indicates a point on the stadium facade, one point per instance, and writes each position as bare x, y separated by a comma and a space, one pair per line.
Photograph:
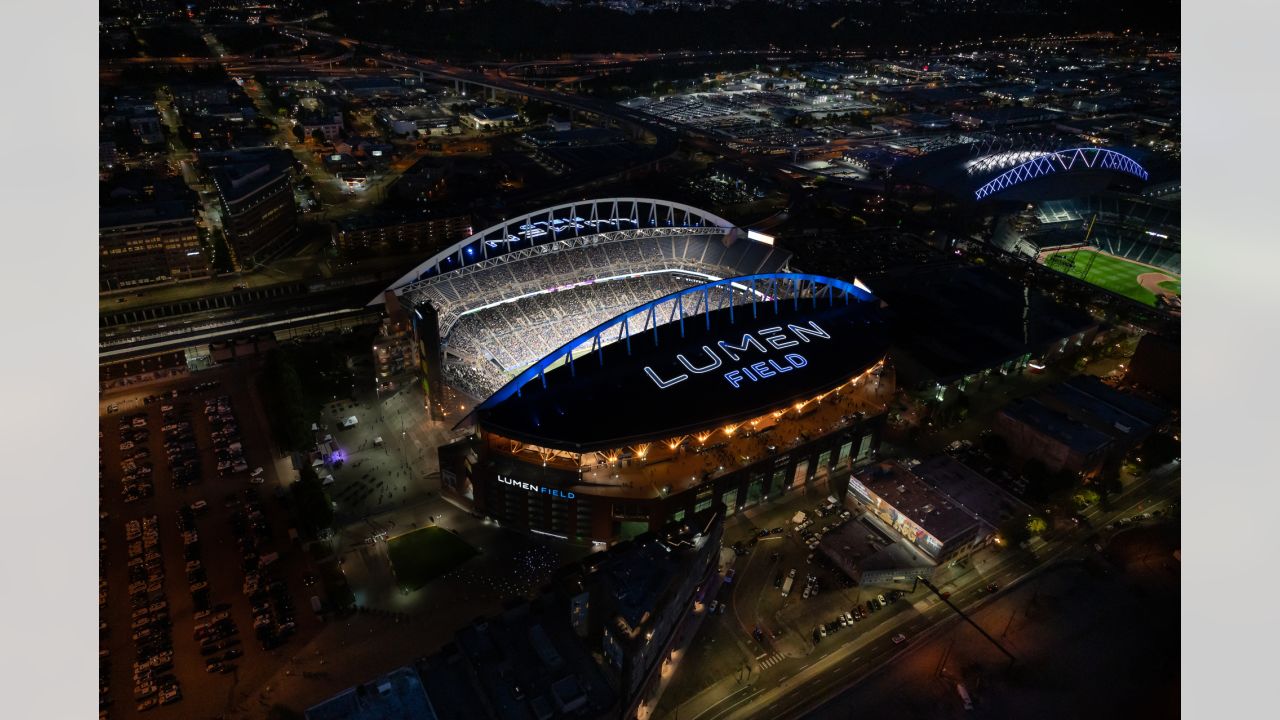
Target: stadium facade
635, 362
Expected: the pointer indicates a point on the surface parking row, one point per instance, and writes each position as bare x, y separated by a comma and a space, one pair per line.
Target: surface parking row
272, 607
153, 683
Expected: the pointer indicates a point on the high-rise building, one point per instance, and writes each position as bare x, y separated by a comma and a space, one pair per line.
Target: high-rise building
259, 215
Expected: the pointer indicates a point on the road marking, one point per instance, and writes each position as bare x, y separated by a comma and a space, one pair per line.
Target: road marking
721, 700
770, 661
734, 706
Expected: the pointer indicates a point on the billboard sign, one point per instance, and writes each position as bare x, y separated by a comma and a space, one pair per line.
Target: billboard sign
726, 352
535, 488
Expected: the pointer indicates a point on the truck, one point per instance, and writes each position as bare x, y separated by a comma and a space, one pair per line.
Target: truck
786, 585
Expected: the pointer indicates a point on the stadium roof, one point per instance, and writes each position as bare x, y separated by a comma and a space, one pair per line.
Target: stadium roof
1021, 170
549, 226
730, 350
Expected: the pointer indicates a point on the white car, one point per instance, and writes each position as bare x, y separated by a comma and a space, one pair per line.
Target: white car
899, 639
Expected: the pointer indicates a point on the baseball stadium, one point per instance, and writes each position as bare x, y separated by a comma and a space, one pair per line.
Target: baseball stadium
1128, 245
630, 362
1083, 211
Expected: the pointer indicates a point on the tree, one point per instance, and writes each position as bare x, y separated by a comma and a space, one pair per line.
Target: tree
1157, 450
318, 136
299, 133
1058, 482
1108, 483
221, 253
1036, 525
1014, 531
1085, 497
311, 502
288, 409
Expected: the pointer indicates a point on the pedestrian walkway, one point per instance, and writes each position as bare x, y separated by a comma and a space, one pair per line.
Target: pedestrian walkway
772, 660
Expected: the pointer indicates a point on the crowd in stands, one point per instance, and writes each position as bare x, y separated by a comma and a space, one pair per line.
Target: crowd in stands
487, 347
1144, 230
454, 293
500, 318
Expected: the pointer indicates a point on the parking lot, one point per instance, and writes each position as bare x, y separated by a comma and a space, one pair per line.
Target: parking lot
177, 501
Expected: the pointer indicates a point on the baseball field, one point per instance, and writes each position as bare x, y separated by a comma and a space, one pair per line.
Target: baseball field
1125, 277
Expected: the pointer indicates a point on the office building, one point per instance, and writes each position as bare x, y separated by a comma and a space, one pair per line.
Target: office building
259, 214
145, 243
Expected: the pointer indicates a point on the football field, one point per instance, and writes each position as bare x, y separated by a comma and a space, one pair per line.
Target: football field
1131, 279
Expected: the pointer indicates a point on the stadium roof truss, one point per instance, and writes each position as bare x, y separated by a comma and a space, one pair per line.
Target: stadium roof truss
1088, 158
553, 227
767, 289
574, 243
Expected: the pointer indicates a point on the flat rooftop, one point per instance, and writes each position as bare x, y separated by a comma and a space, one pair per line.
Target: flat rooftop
852, 543
164, 211
917, 500
955, 321
637, 575
398, 695
1091, 396
529, 656
970, 490
239, 174
1058, 425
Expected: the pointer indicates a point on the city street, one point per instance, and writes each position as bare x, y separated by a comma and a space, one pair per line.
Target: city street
1064, 626
787, 687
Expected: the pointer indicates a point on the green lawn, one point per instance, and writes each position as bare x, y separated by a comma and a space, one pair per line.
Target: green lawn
1115, 274
423, 555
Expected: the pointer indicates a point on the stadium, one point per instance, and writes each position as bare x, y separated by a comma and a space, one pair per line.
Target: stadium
1088, 212
1127, 244
1014, 170
632, 361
